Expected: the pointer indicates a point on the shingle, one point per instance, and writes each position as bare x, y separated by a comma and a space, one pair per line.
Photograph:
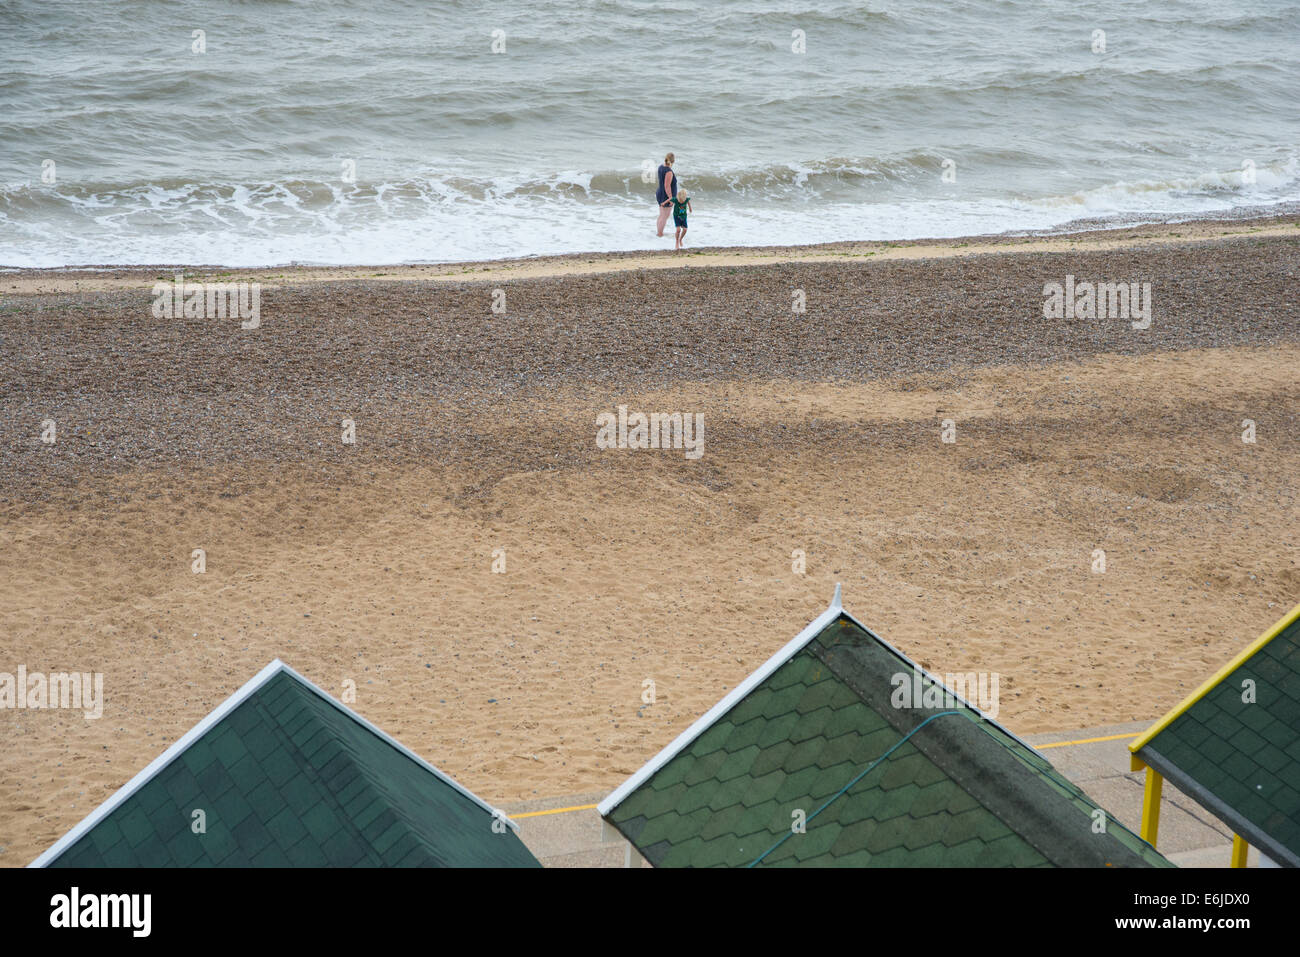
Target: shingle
889, 834
698, 796
228, 747
684, 826
793, 673
214, 779
264, 742
816, 842
1238, 765
712, 740
321, 822
218, 843
105, 835
197, 757
875, 746
300, 791
818, 696
764, 788
1271, 759
135, 826
965, 854
705, 767
853, 807
771, 758
803, 755
811, 725
286, 829
231, 807
169, 820
389, 837
1246, 741
152, 797
1006, 851
674, 772
307, 853
777, 730
901, 768
151, 854
751, 706
663, 800
745, 736
855, 718
658, 828
119, 855
924, 830
796, 790
782, 704
723, 822
713, 853
932, 799
737, 764
270, 855
265, 799
963, 827
185, 849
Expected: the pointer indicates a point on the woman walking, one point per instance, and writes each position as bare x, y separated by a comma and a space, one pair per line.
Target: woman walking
667, 190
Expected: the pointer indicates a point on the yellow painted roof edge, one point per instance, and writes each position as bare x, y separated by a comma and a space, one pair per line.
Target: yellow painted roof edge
1215, 678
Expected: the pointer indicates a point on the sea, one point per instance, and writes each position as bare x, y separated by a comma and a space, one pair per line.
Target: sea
268, 132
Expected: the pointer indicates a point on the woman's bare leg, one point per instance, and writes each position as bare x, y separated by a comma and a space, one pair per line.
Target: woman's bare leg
663, 218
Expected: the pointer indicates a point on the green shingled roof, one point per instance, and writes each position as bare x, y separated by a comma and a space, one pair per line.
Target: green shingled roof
288, 777
1234, 744
817, 735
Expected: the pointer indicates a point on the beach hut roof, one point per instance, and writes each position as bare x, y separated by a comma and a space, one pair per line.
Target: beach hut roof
1233, 745
284, 775
816, 735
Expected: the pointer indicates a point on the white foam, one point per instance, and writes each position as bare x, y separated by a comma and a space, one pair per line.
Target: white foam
451, 219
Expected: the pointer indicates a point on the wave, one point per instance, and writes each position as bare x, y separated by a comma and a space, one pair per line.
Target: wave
812, 178
1271, 182
464, 217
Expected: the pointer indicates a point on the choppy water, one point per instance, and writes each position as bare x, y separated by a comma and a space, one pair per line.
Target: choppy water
239, 155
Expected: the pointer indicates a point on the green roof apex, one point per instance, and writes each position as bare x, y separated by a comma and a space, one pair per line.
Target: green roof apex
282, 774
817, 759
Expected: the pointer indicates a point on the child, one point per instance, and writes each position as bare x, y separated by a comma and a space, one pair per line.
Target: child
681, 205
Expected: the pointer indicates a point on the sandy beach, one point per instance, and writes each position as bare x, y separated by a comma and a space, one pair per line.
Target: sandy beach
475, 433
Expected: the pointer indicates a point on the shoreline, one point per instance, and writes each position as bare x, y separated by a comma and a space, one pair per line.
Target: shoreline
92, 278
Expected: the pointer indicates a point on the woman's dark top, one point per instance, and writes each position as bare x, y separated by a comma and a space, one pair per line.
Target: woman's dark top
661, 196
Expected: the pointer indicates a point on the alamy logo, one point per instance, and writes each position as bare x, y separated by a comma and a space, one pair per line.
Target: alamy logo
102, 910
80, 690
1103, 300
208, 300
658, 430
916, 690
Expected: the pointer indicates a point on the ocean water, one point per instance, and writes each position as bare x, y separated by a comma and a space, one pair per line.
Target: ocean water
384, 131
